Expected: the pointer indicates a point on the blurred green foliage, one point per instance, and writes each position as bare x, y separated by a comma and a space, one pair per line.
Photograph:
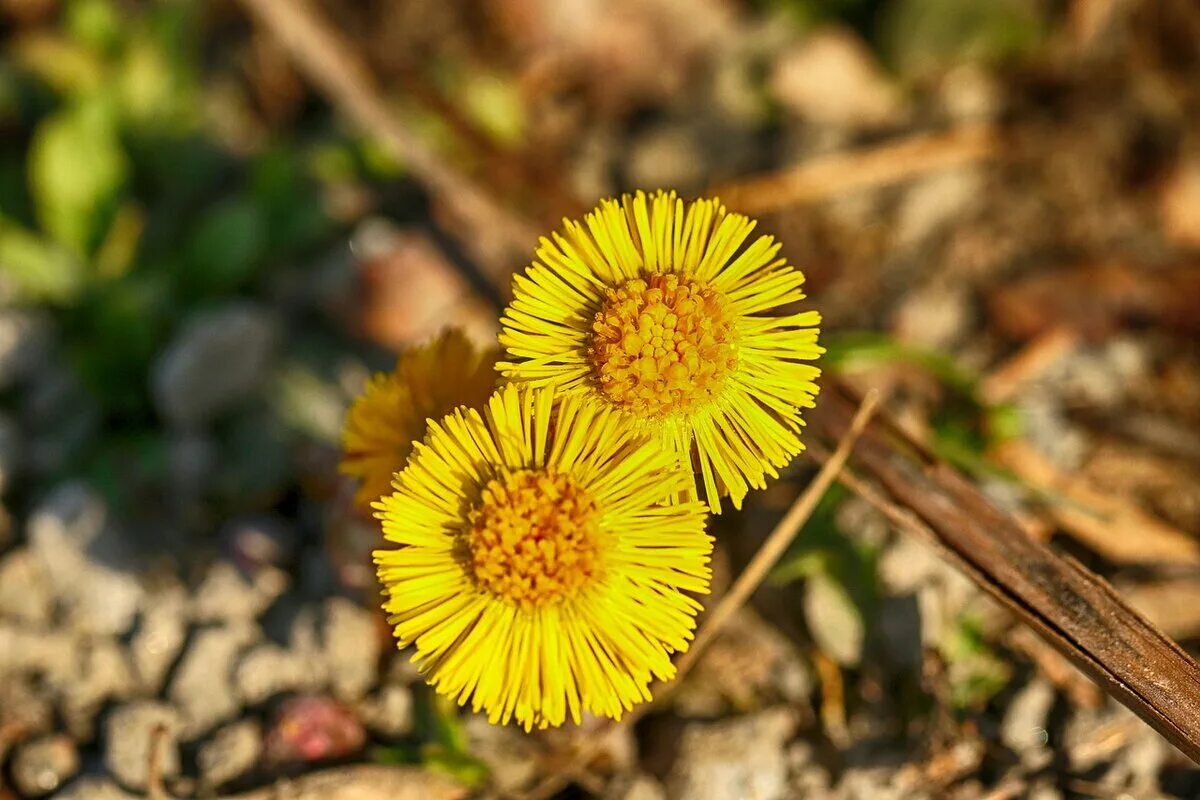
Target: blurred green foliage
963, 426
123, 204
442, 743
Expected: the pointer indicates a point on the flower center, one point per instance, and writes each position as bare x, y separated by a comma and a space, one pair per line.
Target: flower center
533, 539
663, 344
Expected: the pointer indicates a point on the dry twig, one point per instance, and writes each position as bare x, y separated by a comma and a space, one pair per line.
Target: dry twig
334, 66
1069, 606
826, 176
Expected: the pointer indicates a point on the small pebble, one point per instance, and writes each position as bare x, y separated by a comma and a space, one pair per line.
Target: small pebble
43, 765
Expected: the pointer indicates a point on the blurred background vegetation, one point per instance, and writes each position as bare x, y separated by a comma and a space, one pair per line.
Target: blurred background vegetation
202, 258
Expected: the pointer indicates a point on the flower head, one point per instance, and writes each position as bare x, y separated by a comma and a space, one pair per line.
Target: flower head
428, 382
537, 575
660, 310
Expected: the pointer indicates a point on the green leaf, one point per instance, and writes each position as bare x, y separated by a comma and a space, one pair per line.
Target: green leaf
77, 170
226, 247
96, 23
925, 35
42, 270
281, 185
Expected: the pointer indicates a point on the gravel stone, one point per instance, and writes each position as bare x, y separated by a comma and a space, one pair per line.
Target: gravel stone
1023, 728
353, 647
389, 712
233, 751
43, 765
129, 733
50, 654
24, 594
24, 706
159, 638
96, 788
103, 673
218, 360
635, 787
203, 686
226, 595
832, 78
834, 621
25, 341
733, 759
268, 670
87, 563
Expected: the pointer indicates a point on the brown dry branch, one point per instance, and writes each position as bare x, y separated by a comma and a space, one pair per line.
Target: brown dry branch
334, 66
1108, 524
826, 176
1069, 606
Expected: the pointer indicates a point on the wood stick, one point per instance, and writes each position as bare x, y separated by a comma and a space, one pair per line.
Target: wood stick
826, 176
334, 66
1070, 607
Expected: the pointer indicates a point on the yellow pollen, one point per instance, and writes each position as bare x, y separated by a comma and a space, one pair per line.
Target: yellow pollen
533, 539
662, 345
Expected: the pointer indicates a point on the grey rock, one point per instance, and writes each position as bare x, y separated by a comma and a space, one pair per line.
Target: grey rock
261, 541
233, 751
635, 787
388, 712
267, 670
353, 647
807, 778
103, 674
159, 639
216, 361
24, 706
226, 595
666, 155
26, 337
832, 78
1023, 728
733, 759
43, 765
24, 593
1044, 790
203, 687
834, 621
88, 564
96, 788
970, 94
750, 664
130, 731
47, 653
936, 316
510, 755
935, 202
874, 783
1045, 425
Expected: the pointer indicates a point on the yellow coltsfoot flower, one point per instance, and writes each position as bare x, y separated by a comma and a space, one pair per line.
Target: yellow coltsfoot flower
538, 576
428, 382
653, 307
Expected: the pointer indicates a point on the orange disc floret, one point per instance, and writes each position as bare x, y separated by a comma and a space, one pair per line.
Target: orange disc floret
663, 345
533, 539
